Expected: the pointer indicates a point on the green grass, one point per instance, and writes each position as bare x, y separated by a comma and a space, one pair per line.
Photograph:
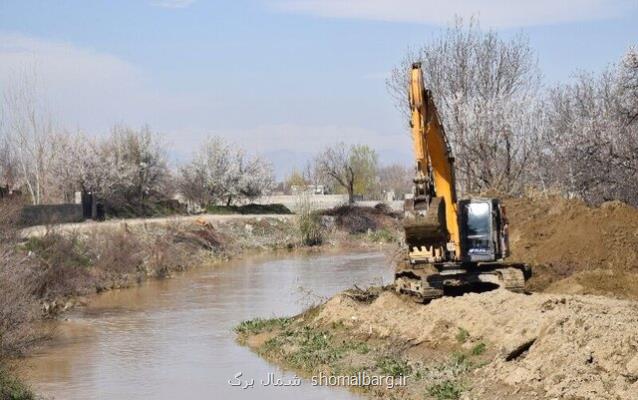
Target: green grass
310, 349
478, 349
11, 388
383, 235
459, 357
259, 325
306, 348
357, 347
313, 349
392, 366
462, 335
446, 390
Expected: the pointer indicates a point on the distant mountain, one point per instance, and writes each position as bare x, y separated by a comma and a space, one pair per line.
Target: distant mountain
285, 161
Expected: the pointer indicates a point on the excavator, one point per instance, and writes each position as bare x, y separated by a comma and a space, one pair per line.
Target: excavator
452, 246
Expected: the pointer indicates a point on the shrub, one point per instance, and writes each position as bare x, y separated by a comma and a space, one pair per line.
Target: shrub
392, 366
309, 222
18, 307
446, 390
12, 388
63, 262
356, 219
118, 251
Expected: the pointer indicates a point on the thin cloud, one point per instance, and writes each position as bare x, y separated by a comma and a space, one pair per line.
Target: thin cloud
172, 3
85, 88
93, 90
492, 13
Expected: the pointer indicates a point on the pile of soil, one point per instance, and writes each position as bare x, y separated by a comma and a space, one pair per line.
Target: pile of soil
560, 346
356, 219
574, 247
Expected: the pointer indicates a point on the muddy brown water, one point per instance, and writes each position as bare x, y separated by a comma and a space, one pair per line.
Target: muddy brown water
173, 339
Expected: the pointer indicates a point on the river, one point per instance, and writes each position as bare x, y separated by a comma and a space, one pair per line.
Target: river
174, 339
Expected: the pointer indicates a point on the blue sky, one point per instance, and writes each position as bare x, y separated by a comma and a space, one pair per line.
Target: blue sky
281, 77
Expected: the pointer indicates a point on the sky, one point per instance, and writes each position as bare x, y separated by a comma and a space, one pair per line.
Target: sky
282, 78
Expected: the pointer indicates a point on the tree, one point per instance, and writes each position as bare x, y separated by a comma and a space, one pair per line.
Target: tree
256, 177
628, 77
295, 180
220, 172
351, 168
80, 164
127, 170
590, 139
397, 178
28, 131
8, 165
486, 90
136, 167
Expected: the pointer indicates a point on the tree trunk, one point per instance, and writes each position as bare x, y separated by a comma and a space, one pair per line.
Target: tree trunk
351, 193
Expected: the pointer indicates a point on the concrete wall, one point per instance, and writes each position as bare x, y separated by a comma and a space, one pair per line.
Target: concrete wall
46, 214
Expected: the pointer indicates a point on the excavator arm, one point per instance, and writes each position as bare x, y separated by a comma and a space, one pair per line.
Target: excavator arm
434, 180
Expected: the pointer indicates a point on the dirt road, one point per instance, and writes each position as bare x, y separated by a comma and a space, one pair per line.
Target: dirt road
87, 226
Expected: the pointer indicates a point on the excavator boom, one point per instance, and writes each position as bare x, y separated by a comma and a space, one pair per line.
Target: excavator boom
434, 161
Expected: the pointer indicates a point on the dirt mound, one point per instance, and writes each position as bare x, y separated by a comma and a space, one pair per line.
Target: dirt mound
357, 219
594, 246
560, 346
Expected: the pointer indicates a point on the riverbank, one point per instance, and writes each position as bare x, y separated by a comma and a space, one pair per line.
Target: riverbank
494, 345
56, 270
126, 253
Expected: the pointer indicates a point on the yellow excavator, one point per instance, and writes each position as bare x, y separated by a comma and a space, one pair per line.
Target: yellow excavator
453, 246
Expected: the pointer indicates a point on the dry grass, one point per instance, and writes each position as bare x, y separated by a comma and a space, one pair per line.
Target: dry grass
72, 264
355, 219
18, 305
63, 266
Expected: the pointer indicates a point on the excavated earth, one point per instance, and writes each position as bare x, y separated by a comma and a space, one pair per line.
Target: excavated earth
575, 248
542, 345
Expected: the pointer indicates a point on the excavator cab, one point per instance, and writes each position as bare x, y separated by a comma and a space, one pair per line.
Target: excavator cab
484, 235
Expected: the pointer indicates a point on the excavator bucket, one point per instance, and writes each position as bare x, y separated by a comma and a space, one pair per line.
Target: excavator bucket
424, 225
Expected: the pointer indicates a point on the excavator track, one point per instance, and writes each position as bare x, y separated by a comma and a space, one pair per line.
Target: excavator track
426, 283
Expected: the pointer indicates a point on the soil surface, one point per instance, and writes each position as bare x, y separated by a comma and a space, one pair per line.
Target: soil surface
539, 346
574, 248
